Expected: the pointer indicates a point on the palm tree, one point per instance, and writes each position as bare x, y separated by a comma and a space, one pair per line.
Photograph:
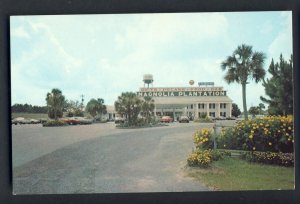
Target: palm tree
95, 107
55, 103
129, 104
242, 65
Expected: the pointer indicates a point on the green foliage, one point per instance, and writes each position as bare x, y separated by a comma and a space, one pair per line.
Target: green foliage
279, 88
27, 108
203, 115
52, 115
203, 120
242, 65
277, 158
55, 103
273, 133
53, 123
78, 113
235, 111
73, 108
141, 123
147, 107
96, 107
129, 104
254, 110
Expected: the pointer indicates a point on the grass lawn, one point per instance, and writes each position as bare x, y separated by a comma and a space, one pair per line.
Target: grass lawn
236, 174
30, 115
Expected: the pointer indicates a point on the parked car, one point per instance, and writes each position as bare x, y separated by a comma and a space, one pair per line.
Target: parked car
183, 119
20, 120
166, 119
84, 120
34, 121
119, 120
71, 121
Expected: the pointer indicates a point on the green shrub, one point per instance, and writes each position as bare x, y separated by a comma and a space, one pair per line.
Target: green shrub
274, 134
52, 123
216, 155
282, 159
203, 120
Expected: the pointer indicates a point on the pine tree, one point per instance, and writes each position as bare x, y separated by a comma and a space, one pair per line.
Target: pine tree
279, 88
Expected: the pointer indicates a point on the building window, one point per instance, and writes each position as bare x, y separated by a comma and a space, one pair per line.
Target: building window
201, 105
212, 114
223, 114
192, 106
223, 105
212, 105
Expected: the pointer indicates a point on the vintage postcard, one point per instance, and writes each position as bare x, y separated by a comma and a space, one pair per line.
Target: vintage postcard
160, 102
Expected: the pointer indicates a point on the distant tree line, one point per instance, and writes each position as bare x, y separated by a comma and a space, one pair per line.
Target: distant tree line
27, 108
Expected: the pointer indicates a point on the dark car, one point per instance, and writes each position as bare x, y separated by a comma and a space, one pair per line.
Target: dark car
183, 119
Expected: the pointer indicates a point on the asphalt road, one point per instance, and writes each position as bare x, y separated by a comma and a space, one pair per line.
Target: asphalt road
99, 158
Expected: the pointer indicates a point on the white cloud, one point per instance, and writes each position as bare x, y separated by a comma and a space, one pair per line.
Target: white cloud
283, 42
103, 55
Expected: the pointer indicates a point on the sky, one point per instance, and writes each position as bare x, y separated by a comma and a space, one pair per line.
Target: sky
101, 56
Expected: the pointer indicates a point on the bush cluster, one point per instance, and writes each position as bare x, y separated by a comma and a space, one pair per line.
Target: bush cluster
277, 158
203, 158
52, 123
141, 123
203, 138
273, 133
204, 154
203, 120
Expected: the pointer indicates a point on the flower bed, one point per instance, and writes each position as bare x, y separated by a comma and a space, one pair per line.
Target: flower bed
203, 138
203, 158
282, 159
274, 134
204, 154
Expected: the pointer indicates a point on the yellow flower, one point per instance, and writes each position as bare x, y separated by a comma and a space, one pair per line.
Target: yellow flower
270, 143
250, 136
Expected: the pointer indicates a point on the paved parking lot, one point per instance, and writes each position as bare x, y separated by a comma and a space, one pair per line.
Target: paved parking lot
99, 158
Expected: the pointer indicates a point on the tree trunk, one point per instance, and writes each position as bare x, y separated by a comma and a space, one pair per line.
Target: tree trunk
55, 115
244, 101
